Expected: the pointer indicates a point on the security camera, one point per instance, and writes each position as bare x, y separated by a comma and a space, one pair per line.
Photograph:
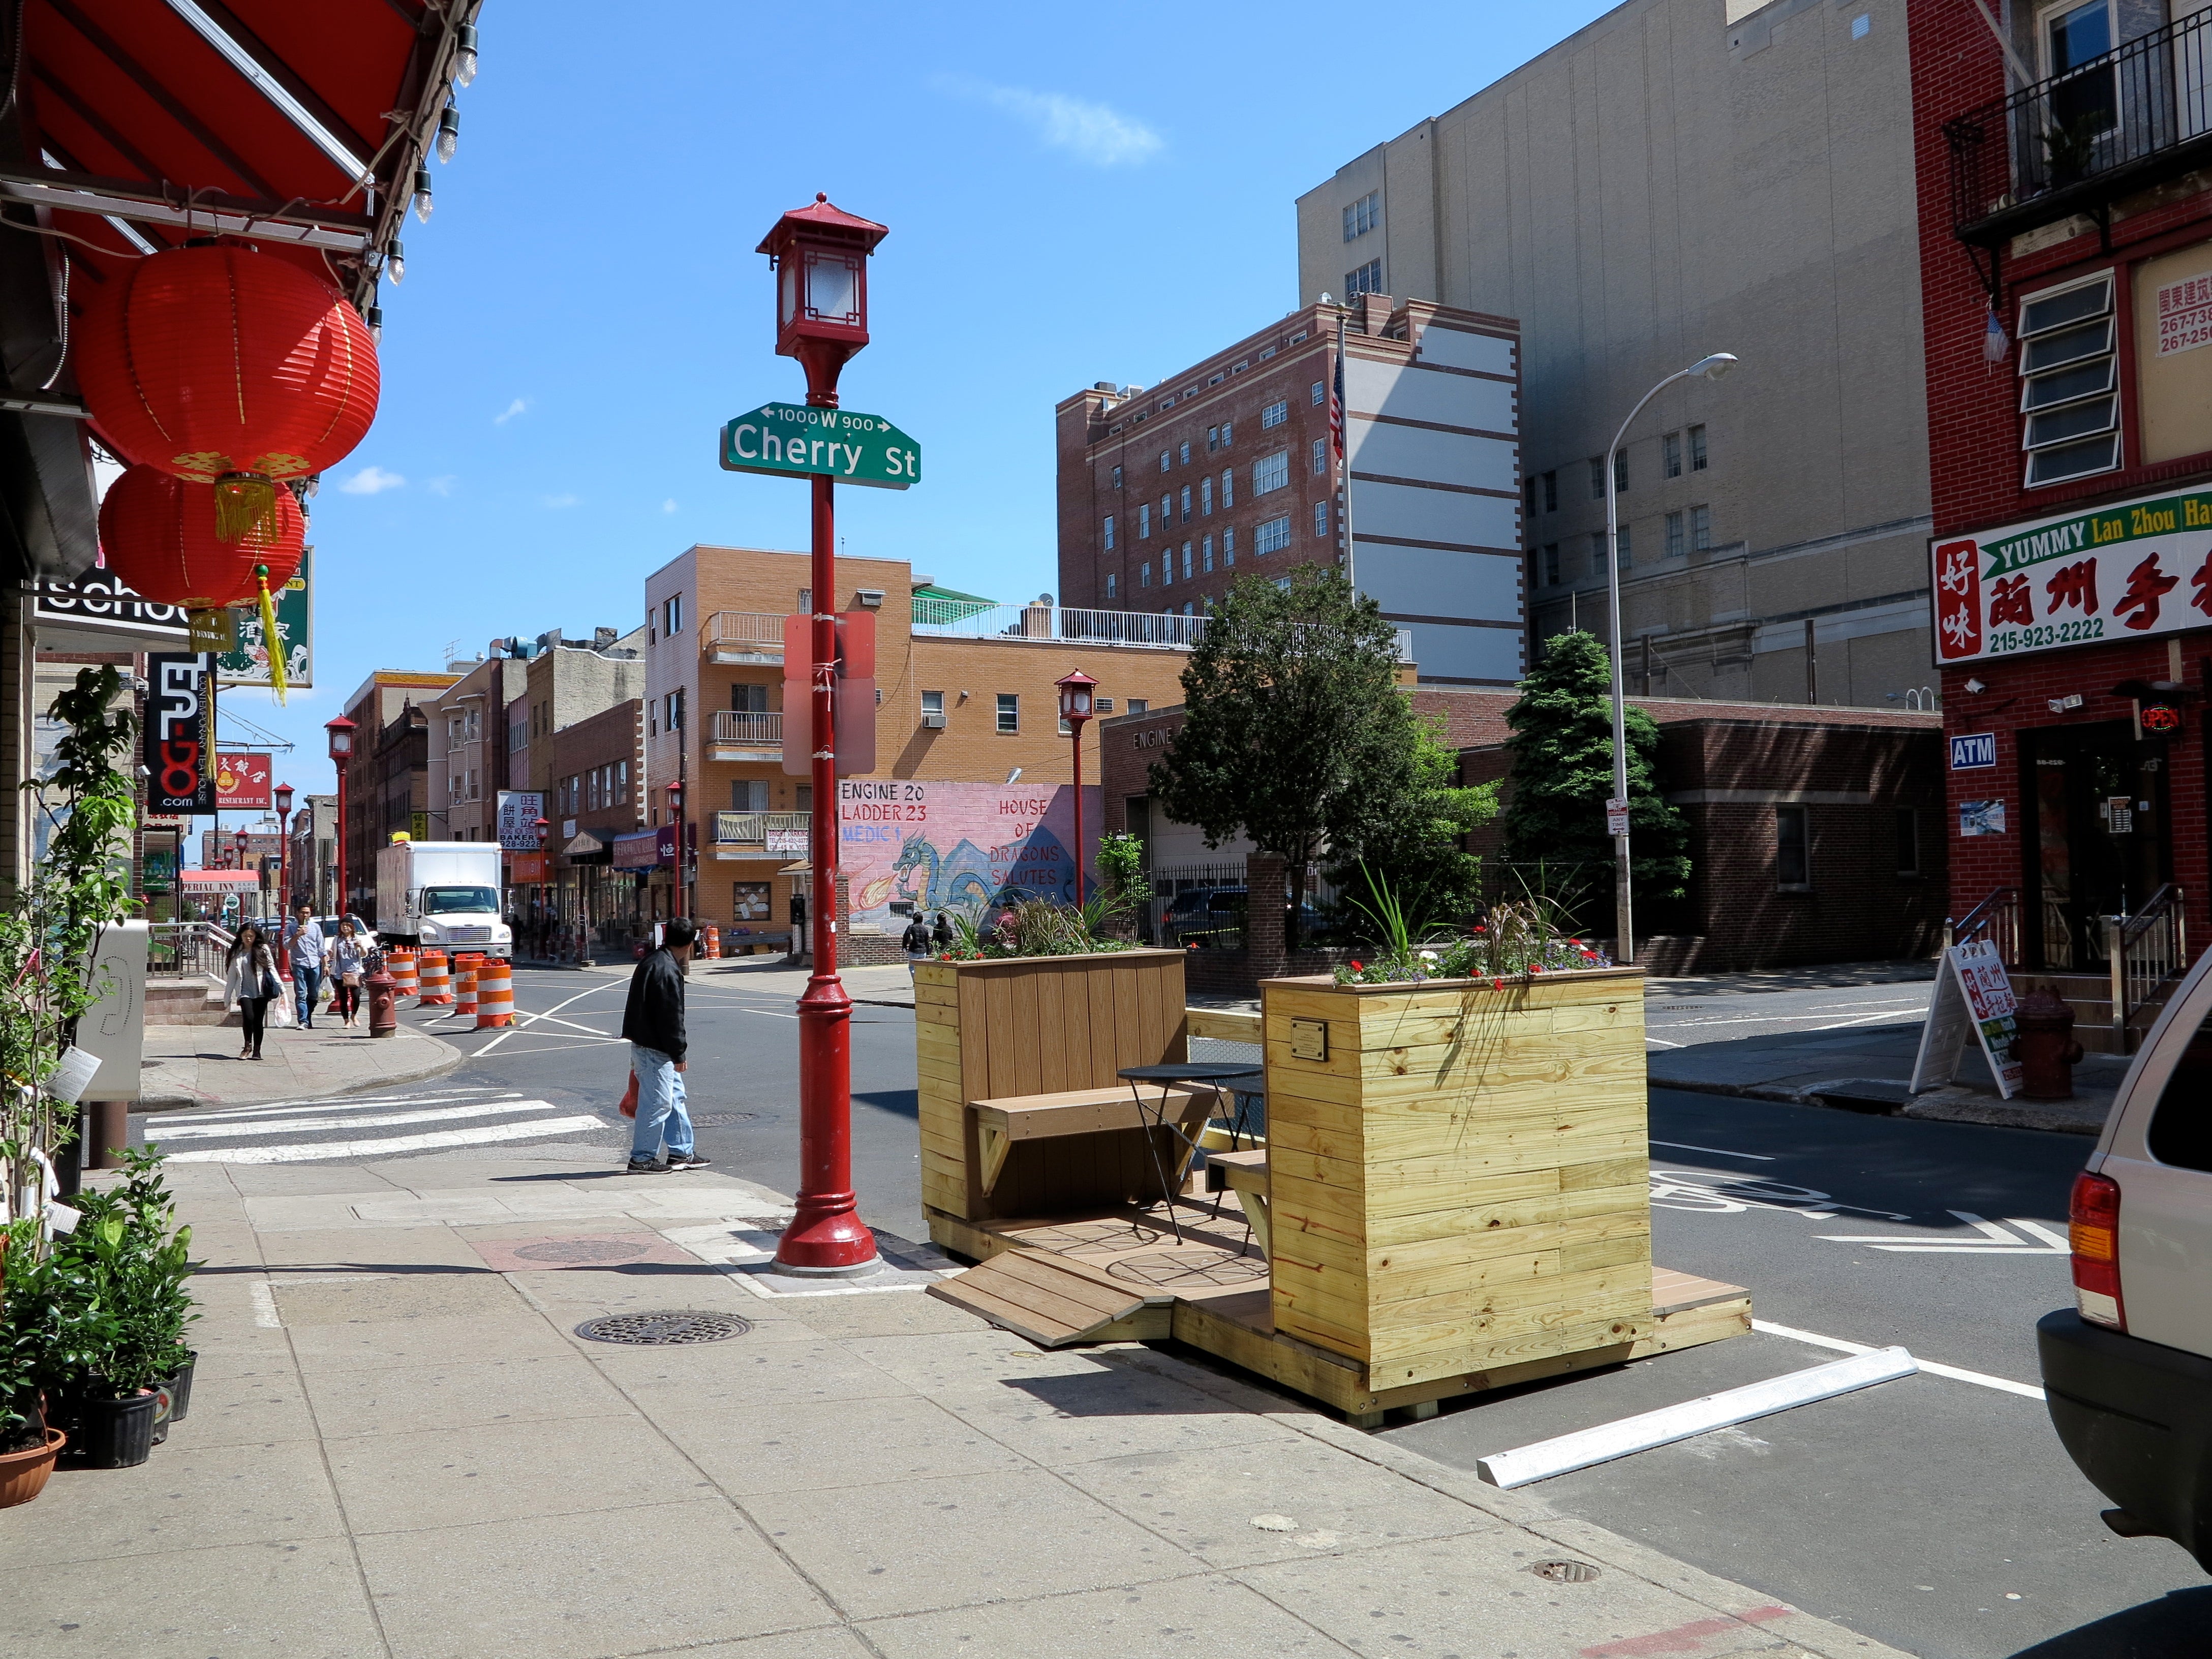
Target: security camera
2063, 705
1975, 687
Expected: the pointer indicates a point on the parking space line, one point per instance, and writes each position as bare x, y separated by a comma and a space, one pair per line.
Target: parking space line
1723, 1151
1957, 1374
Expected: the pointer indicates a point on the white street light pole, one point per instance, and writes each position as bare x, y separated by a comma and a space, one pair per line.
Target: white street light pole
1624, 920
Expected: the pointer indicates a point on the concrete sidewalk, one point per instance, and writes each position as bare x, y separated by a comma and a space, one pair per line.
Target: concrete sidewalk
399, 1446
199, 1065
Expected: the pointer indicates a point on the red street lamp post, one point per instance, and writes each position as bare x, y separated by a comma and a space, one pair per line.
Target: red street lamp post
1075, 713
283, 848
820, 256
342, 733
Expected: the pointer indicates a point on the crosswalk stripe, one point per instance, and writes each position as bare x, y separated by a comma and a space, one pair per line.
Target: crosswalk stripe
285, 1126
349, 1104
316, 1151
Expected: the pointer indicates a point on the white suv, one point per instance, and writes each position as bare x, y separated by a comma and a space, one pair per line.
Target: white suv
2128, 1372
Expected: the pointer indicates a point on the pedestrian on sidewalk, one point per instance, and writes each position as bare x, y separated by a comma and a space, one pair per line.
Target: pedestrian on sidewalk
653, 1024
250, 981
344, 962
304, 945
916, 941
941, 936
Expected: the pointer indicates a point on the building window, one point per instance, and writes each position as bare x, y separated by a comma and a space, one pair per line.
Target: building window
1164, 460
1320, 391
673, 719
1183, 454
2069, 381
1117, 477
1597, 477
1701, 529
1271, 472
1320, 518
1144, 574
622, 783
1908, 842
1551, 492
1167, 568
1528, 493
1109, 532
1112, 584
1675, 546
1551, 564
1186, 562
1228, 548
1697, 449
672, 616
1282, 584
748, 699
1206, 497
1597, 552
1143, 520
1212, 438
1206, 553
749, 794
1362, 216
1274, 414
1272, 536
1225, 425
1228, 490
1319, 456
1186, 503
1010, 712
1792, 849
805, 601
1138, 705
1368, 279
1670, 455
1626, 559
1620, 471
518, 737
1167, 513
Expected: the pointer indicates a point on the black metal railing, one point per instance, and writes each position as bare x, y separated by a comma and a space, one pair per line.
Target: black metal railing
2121, 122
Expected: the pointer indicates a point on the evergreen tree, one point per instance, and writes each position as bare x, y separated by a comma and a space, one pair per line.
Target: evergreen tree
1562, 750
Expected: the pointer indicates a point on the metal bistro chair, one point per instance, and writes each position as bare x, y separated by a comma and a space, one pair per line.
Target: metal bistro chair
1189, 1077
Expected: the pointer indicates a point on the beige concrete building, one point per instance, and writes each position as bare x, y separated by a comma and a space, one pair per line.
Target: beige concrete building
1679, 178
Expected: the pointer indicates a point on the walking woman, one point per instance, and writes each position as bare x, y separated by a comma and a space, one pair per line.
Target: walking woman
250, 984
344, 961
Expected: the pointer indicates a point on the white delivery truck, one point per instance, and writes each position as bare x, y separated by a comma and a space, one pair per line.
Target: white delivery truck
438, 894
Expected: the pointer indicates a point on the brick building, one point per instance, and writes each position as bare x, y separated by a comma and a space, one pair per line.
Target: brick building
468, 747
1227, 469
2071, 468
387, 780
598, 792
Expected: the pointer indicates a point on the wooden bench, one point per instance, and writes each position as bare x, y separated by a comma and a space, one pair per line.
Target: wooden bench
1244, 1173
1003, 1122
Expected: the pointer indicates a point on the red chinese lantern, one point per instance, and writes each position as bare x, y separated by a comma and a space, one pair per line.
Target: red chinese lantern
230, 367
158, 534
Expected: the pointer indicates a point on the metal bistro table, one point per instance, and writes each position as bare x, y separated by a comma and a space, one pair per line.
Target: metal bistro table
1191, 1077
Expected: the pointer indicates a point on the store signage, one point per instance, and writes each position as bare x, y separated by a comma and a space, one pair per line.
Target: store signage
519, 812
1981, 818
2161, 719
664, 845
641, 851
180, 734
1973, 993
796, 439
242, 783
788, 842
2184, 314
103, 602
247, 662
1975, 749
527, 869
2134, 570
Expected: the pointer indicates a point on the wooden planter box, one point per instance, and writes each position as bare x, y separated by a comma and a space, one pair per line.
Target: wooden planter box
1031, 1025
1459, 1173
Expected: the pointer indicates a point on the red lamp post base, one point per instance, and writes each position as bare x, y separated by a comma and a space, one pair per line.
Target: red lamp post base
826, 1237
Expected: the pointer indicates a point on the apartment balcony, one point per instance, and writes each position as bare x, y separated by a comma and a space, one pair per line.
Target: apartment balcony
742, 636
744, 736
772, 834
2120, 123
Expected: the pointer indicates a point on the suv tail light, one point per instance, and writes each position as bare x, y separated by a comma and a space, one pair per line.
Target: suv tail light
2093, 1234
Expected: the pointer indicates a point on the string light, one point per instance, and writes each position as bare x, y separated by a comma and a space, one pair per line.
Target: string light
422, 196
464, 54
449, 131
395, 261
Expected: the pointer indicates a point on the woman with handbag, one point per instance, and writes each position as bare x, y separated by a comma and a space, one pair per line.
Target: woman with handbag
344, 962
249, 983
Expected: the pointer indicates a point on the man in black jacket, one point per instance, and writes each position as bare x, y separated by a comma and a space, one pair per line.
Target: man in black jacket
653, 1024
916, 941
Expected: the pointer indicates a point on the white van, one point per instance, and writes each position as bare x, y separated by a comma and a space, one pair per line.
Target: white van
2128, 1371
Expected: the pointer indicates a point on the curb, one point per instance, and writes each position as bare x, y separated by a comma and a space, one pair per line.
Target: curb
421, 1073
1884, 1098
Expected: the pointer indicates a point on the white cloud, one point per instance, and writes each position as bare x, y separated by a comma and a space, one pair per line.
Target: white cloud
562, 500
517, 407
442, 485
668, 505
1090, 133
372, 481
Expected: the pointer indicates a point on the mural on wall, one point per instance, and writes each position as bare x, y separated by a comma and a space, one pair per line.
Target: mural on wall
909, 846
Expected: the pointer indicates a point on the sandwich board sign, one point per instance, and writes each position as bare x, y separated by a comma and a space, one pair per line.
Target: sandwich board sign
1973, 994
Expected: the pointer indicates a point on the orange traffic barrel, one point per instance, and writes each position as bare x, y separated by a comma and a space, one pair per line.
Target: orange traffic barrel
495, 995
465, 969
437, 983
714, 941
400, 965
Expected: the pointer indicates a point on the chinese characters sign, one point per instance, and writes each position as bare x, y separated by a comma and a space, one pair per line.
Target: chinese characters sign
2135, 569
241, 782
2184, 314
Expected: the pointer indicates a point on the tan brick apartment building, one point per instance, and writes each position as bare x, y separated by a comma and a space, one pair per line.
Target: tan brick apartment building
1167, 495
965, 694
387, 781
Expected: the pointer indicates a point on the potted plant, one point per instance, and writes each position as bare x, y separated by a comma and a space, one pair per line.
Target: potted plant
28, 1446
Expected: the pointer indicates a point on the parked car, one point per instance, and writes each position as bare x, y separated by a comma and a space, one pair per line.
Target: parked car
1214, 916
2127, 1371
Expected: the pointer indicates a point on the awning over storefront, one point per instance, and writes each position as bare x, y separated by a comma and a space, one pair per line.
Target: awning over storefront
589, 847
640, 851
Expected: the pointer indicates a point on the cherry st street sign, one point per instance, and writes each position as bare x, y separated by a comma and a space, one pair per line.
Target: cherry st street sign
798, 441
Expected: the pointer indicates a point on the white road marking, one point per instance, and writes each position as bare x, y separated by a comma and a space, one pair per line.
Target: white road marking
1862, 1019
1661, 1042
315, 1152
524, 1019
769, 1013
1980, 1379
246, 1114
1685, 1146
285, 1126
1686, 1189
1994, 1240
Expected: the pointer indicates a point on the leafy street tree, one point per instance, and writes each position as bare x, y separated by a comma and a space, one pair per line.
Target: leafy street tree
1562, 750
1419, 852
1296, 732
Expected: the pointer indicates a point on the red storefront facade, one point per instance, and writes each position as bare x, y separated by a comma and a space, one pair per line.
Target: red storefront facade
2071, 463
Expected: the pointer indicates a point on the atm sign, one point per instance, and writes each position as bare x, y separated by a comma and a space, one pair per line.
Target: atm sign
1976, 749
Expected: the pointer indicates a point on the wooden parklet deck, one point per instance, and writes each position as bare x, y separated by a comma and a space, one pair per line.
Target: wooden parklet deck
1117, 1275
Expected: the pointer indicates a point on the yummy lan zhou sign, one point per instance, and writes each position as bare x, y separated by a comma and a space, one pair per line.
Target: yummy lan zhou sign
798, 441
2127, 571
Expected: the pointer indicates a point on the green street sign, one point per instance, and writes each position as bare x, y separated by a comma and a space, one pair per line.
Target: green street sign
796, 441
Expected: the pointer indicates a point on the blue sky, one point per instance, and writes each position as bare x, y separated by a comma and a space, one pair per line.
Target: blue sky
1073, 195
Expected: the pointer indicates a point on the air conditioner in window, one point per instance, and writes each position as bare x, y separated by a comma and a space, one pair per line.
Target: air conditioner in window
934, 720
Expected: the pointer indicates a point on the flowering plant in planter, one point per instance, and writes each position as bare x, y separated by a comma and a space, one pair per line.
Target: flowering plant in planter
1518, 941
1035, 928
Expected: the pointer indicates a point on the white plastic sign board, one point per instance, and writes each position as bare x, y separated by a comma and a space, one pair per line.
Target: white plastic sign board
1973, 993
1616, 816
113, 1030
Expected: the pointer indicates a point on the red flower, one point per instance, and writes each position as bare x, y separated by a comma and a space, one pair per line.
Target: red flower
1536, 967
1498, 985
1356, 966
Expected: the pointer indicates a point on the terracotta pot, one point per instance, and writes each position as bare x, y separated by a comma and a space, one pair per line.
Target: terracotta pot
23, 1473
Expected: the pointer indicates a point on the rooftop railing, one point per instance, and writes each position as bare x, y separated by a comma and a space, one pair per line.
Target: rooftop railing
1166, 630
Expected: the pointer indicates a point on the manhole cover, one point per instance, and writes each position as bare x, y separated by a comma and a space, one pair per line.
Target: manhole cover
1082, 1235
1566, 1572
581, 1249
717, 1120
663, 1330
1194, 1268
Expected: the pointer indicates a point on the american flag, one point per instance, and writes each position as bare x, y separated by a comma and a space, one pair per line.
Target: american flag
1336, 398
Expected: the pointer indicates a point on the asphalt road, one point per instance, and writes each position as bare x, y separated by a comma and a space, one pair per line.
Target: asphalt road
1728, 1007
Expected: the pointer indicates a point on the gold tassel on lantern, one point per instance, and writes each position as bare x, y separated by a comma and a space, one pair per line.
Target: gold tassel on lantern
244, 503
272, 641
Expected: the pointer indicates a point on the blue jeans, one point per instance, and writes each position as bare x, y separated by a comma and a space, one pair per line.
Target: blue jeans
306, 980
660, 1104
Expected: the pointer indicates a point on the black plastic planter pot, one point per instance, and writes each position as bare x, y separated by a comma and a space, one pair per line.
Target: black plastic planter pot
180, 1387
113, 1434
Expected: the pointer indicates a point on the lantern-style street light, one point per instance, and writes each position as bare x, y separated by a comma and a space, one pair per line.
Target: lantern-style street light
1076, 710
341, 731
284, 848
820, 255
